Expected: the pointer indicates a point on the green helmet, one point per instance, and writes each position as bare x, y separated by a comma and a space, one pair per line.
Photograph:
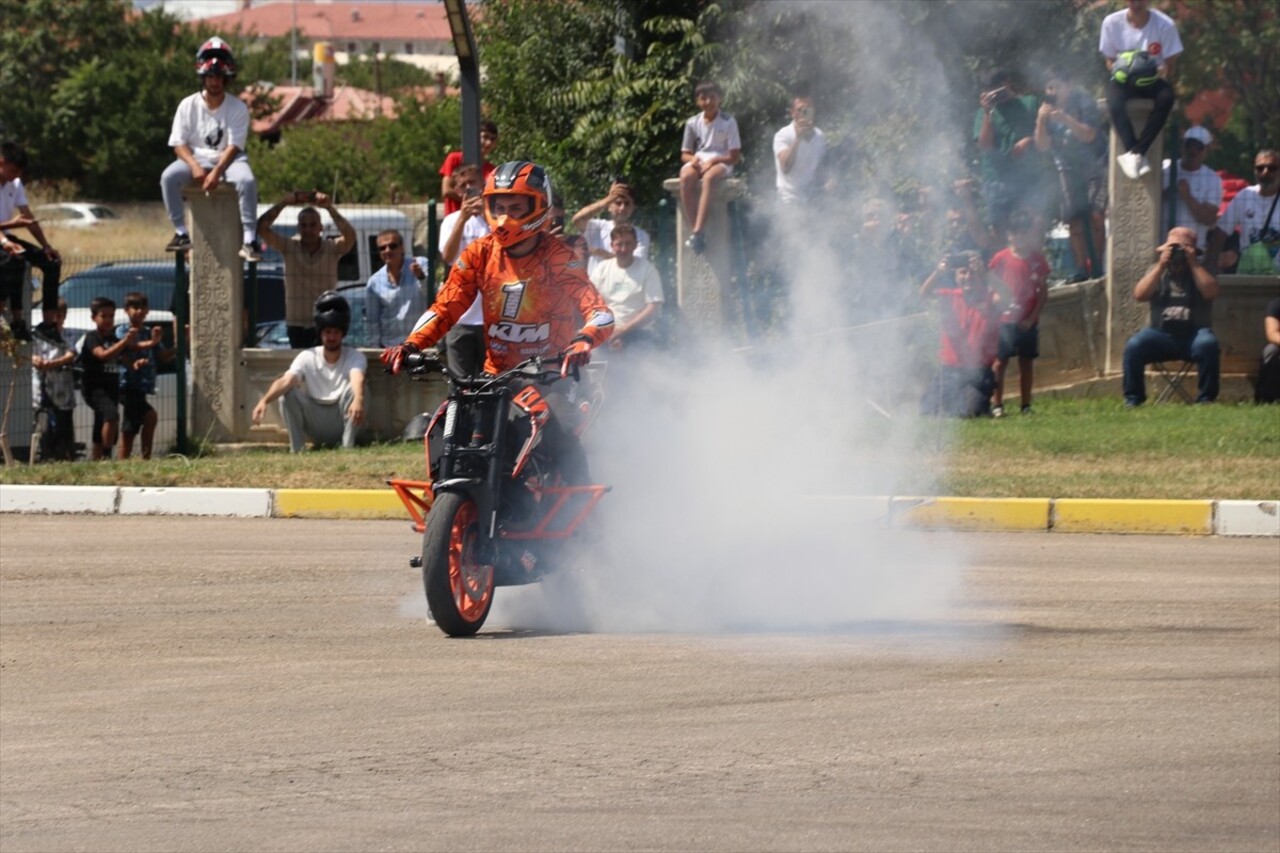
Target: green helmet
1135, 69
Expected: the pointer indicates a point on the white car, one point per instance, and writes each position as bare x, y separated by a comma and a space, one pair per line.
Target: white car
74, 214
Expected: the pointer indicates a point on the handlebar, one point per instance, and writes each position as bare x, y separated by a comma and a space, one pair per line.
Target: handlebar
422, 363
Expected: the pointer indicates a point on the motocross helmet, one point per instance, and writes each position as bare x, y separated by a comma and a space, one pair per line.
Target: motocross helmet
214, 57
518, 177
332, 312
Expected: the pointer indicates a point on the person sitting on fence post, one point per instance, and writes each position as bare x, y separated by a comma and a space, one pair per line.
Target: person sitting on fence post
209, 137
322, 393
1181, 292
709, 151
15, 253
310, 261
1140, 46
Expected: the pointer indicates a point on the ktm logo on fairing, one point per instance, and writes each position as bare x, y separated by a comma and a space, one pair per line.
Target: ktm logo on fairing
520, 333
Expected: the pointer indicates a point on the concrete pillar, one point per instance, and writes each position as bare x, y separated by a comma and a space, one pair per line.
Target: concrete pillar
1134, 234
709, 304
215, 412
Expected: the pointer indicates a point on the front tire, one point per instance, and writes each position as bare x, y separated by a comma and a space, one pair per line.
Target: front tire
459, 588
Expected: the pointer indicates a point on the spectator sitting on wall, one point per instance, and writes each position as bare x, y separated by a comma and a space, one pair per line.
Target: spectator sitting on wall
969, 318
1199, 187
322, 393
396, 295
1004, 128
1253, 211
710, 149
209, 136
1069, 125
1140, 46
1180, 291
15, 254
450, 189
310, 261
621, 203
1268, 387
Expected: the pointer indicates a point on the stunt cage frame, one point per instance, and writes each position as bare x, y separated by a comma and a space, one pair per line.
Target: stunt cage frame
419, 495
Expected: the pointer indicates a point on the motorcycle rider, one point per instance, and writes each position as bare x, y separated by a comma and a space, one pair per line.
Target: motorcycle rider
535, 294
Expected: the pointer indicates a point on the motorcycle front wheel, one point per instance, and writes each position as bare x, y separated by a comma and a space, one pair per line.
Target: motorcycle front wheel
459, 588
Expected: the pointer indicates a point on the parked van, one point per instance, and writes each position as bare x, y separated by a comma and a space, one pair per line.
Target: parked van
356, 266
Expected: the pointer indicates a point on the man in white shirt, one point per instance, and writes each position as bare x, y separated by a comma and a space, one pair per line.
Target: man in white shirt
1254, 212
1139, 28
710, 149
631, 287
209, 136
322, 393
798, 150
1199, 188
463, 345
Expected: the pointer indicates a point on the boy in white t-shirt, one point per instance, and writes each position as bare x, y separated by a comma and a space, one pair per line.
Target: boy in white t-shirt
322, 393
710, 150
631, 287
1139, 28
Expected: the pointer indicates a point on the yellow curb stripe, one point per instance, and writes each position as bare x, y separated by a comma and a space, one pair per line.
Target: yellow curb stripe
1072, 515
971, 513
338, 503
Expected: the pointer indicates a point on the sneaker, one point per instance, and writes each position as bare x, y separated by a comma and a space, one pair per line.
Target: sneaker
696, 243
1144, 166
997, 412
1078, 278
1130, 163
249, 251
1026, 410
179, 243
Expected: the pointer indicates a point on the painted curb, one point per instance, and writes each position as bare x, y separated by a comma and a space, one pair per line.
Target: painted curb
338, 503
1071, 515
238, 503
59, 499
1065, 515
1005, 514
1248, 518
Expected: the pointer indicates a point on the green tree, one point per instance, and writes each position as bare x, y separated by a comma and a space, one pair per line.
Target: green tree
1231, 45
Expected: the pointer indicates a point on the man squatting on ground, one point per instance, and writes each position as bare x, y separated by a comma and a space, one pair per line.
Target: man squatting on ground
322, 393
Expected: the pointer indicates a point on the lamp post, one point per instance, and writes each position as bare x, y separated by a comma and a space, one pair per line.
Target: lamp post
464, 45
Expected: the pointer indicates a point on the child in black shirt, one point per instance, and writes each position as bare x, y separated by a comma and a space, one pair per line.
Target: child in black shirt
100, 360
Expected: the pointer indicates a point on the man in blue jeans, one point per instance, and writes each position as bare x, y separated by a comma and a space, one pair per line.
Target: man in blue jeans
1181, 292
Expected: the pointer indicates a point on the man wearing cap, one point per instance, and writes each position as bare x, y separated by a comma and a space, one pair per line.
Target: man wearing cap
1199, 187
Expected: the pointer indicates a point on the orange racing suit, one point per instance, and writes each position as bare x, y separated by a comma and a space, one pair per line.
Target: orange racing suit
533, 305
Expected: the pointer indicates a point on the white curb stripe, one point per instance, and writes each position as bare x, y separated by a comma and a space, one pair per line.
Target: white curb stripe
1248, 518
58, 499
241, 503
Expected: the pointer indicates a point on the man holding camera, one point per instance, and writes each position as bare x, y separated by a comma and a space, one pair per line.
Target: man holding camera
1180, 291
310, 261
798, 150
969, 322
1004, 129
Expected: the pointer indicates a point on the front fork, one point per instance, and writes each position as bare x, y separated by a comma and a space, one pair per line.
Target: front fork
487, 493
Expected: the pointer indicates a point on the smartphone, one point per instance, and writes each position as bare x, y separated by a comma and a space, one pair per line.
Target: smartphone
472, 192
806, 113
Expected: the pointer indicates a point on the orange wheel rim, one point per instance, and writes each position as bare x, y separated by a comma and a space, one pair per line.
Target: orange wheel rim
470, 582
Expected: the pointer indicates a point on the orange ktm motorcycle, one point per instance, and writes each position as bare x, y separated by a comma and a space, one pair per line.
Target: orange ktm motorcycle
497, 509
